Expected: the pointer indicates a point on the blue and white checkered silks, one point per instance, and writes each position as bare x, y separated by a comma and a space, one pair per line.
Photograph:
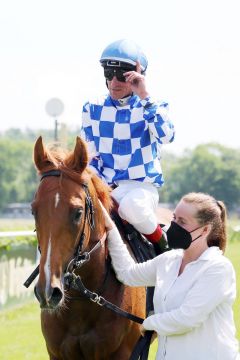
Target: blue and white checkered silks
124, 140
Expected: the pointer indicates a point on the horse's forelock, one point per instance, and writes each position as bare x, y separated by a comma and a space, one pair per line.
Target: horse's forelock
59, 159
58, 154
79, 178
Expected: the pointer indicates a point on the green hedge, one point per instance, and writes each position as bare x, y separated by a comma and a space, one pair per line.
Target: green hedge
8, 243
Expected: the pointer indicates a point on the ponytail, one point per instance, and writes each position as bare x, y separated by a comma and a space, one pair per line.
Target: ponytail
213, 212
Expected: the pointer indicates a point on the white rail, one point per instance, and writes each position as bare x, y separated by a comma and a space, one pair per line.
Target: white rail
17, 233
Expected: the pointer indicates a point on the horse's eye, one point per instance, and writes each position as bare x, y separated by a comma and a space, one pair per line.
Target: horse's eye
77, 215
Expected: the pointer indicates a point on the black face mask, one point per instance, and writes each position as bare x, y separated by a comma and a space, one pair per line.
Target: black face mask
178, 237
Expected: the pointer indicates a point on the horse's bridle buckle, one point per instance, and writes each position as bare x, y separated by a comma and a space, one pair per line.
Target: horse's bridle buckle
85, 257
98, 299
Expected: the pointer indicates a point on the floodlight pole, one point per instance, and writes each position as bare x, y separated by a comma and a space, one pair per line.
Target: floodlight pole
56, 130
54, 107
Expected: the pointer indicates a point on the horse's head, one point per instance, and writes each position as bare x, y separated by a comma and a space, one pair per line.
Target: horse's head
63, 215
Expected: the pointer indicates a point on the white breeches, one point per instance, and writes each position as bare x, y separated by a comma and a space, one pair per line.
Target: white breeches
137, 204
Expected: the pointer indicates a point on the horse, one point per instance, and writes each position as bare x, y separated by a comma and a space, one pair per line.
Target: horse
69, 221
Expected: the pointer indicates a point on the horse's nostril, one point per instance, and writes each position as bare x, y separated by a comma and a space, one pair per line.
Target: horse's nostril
56, 297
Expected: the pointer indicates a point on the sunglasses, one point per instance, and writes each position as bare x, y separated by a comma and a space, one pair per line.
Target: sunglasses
109, 73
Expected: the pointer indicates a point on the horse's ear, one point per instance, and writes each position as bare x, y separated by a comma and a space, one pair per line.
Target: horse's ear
79, 160
40, 155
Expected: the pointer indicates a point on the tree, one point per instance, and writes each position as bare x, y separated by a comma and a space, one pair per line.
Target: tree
210, 168
17, 175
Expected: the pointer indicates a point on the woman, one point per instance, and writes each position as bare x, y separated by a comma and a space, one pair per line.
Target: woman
195, 284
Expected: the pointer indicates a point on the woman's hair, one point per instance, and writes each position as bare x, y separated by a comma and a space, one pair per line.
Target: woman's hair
210, 211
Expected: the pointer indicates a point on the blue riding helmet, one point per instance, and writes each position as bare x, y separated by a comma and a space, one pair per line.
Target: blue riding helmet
123, 53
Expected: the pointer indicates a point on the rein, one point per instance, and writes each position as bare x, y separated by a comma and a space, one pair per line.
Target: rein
74, 282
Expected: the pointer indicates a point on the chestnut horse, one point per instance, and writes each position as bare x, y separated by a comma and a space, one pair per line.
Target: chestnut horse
74, 327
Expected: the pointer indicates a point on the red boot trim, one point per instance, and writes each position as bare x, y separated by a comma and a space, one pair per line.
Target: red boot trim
155, 237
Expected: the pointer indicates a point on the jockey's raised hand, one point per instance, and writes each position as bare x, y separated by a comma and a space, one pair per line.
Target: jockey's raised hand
137, 81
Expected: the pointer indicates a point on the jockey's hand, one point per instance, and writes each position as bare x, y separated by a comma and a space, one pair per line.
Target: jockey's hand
137, 81
108, 221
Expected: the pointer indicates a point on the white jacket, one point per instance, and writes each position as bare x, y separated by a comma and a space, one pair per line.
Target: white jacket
193, 312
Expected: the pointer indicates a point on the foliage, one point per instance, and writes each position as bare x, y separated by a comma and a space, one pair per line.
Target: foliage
7, 243
210, 168
18, 178
30, 135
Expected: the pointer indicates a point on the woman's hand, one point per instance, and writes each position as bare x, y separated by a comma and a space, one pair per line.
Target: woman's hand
108, 221
154, 336
143, 330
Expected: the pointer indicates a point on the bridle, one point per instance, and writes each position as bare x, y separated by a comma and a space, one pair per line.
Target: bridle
72, 280
79, 257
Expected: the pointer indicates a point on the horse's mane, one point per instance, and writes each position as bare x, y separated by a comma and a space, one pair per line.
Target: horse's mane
63, 160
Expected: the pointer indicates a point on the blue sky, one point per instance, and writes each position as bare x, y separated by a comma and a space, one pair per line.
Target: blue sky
51, 48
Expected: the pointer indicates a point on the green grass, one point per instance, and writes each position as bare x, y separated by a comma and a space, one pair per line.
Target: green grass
21, 337
232, 253
20, 334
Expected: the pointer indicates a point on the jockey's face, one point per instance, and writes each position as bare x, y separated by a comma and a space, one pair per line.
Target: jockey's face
118, 89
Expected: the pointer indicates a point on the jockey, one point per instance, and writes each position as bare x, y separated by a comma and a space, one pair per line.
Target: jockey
125, 130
